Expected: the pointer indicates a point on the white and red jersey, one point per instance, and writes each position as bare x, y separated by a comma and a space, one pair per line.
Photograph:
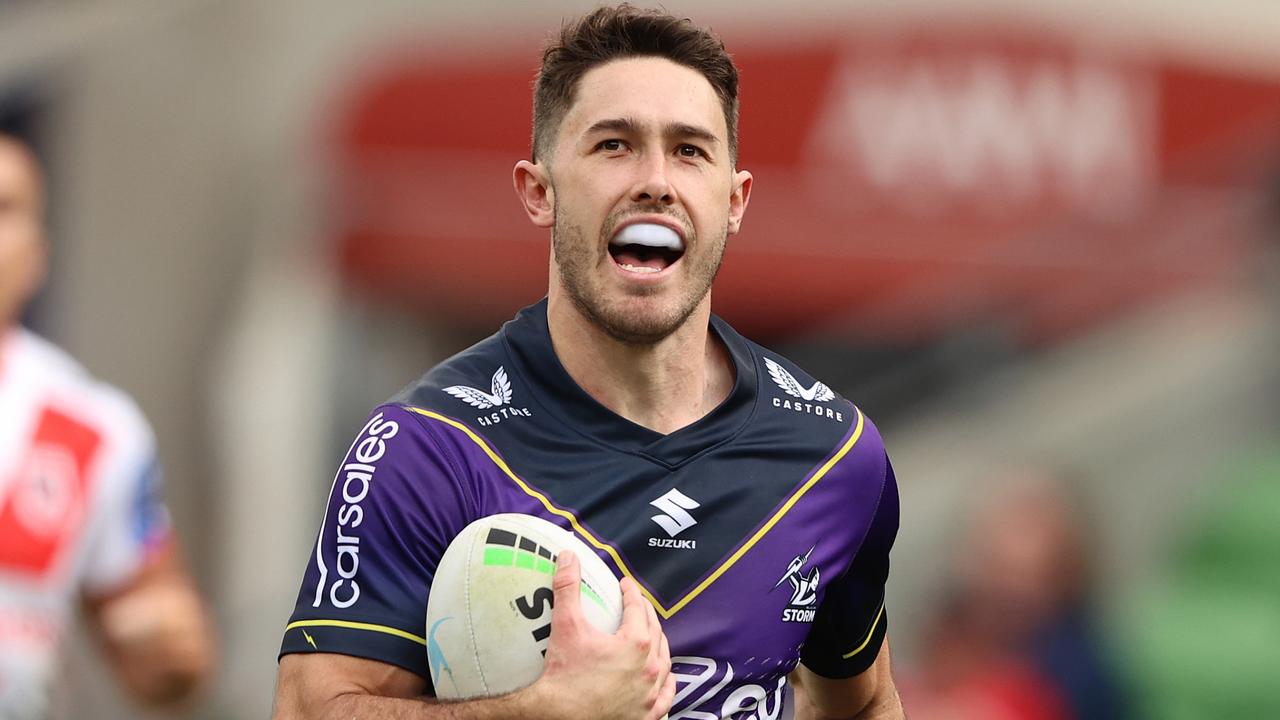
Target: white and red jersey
79, 506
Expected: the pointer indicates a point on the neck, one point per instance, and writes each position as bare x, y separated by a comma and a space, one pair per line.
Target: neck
649, 384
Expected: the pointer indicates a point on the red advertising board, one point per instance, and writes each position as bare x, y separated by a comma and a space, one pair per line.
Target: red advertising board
906, 184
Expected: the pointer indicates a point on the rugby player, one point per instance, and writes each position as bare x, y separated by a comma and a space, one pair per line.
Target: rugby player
81, 520
747, 509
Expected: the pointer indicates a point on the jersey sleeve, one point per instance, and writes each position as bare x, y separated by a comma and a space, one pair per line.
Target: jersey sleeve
394, 506
851, 622
132, 521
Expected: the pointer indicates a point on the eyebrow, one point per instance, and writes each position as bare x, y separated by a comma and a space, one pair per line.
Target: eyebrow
633, 126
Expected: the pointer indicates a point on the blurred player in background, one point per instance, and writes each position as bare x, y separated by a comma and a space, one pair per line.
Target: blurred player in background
738, 497
1018, 637
81, 521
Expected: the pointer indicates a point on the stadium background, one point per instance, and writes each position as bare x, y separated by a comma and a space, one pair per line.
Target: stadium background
1029, 238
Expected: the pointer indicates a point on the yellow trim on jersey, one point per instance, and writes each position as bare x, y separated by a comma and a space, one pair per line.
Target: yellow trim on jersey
356, 626
502, 465
666, 613
826, 467
870, 634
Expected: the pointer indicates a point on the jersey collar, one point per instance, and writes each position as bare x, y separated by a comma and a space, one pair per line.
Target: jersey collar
528, 342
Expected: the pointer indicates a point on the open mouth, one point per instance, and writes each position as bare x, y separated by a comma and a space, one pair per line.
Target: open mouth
645, 248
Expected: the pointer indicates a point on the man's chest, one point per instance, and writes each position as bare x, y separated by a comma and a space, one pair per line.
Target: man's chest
735, 551
734, 542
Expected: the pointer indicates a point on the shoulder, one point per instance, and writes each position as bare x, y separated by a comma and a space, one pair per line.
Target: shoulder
804, 413
417, 430
790, 378
57, 380
784, 384
478, 376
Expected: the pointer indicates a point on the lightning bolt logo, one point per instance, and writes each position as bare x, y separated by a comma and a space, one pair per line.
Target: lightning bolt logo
804, 588
310, 640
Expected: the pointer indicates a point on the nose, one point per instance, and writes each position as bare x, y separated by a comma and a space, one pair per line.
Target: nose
652, 184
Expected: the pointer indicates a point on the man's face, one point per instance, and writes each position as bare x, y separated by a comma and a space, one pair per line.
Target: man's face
21, 238
644, 194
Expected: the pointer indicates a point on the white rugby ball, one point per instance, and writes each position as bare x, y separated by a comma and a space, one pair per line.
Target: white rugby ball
489, 612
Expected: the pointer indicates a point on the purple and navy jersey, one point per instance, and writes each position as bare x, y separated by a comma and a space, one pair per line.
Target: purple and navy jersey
760, 533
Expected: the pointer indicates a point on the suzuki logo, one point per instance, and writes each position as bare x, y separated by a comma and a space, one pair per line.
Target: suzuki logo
675, 505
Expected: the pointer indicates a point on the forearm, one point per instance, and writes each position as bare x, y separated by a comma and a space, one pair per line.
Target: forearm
885, 707
587, 673
870, 695
394, 694
157, 636
369, 707
889, 708
323, 686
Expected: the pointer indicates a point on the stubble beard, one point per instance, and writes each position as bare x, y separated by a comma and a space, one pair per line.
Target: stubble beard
576, 261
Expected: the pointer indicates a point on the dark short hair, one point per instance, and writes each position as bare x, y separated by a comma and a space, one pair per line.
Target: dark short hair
624, 31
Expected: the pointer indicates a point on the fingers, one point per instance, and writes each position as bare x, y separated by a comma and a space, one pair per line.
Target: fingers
656, 637
668, 692
660, 659
664, 651
635, 616
666, 696
659, 652
568, 598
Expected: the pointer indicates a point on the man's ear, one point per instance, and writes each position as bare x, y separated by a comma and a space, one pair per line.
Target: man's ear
533, 187
738, 199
